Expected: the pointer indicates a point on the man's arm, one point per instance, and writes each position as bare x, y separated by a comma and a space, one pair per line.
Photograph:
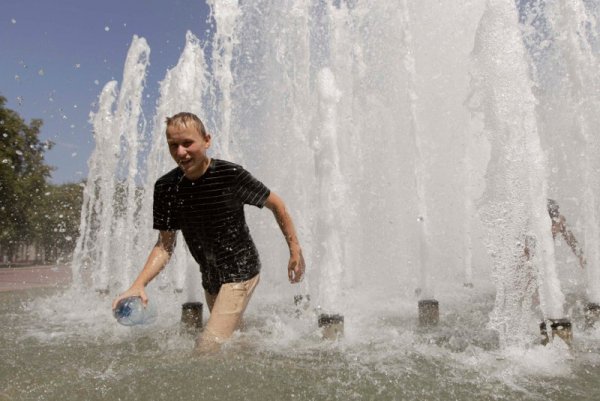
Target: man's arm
296, 264
157, 260
571, 241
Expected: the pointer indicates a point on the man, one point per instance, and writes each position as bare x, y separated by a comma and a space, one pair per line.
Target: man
559, 225
204, 198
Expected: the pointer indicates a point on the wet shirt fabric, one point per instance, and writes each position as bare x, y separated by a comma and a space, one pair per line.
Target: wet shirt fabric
209, 212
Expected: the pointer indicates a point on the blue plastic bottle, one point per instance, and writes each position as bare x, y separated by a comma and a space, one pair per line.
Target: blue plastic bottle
131, 311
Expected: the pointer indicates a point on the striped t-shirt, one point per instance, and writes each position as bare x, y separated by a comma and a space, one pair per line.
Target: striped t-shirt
209, 211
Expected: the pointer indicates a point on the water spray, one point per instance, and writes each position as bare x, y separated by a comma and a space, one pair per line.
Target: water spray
592, 314
302, 303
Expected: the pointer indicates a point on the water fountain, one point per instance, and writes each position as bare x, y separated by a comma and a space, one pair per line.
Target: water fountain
415, 145
577, 46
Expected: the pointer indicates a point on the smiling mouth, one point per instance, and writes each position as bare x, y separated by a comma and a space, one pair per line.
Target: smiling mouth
184, 163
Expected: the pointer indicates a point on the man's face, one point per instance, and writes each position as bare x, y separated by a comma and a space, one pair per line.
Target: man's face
188, 148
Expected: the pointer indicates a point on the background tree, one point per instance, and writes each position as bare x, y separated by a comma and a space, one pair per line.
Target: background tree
56, 222
32, 211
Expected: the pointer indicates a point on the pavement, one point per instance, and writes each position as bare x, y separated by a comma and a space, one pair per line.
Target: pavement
23, 278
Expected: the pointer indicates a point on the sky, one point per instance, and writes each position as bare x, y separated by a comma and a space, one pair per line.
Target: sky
55, 57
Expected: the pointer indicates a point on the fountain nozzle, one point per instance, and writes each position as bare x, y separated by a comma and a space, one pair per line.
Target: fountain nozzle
559, 327
333, 326
191, 316
429, 312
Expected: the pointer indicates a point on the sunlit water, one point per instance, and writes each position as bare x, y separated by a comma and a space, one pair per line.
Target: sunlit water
415, 144
76, 351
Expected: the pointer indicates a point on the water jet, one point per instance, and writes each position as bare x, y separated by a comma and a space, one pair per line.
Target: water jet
340, 161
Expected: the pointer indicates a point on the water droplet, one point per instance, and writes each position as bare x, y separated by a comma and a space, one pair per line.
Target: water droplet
106, 28
5, 161
14, 21
19, 152
41, 72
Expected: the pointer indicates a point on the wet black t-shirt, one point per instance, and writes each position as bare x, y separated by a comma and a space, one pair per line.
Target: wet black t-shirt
209, 212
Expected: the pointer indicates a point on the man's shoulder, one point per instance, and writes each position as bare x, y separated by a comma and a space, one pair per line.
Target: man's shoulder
227, 167
225, 164
170, 178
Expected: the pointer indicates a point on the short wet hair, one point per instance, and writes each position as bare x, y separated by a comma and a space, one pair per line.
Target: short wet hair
184, 118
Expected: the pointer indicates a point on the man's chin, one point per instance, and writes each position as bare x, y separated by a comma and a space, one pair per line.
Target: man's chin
189, 173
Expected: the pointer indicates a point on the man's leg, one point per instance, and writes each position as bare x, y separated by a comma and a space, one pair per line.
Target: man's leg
210, 299
226, 312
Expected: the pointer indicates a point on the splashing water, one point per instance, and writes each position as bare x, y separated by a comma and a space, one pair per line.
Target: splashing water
415, 145
355, 113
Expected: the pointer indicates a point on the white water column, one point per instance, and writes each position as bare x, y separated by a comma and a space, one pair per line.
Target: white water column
226, 14
331, 193
185, 87
420, 170
469, 208
87, 252
513, 207
130, 126
574, 27
111, 181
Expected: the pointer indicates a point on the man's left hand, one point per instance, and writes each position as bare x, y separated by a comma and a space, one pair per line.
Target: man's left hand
296, 267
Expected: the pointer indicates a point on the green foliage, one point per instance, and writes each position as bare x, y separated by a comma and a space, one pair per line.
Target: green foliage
55, 225
32, 211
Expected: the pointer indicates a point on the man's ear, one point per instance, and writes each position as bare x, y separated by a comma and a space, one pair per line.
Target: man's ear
208, 140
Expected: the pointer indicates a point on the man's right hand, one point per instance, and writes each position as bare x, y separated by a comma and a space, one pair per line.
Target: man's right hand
132, 292
296, 266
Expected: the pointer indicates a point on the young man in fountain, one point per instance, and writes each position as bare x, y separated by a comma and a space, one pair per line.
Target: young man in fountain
204, 198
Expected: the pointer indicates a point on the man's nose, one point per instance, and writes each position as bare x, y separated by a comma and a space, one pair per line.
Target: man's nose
181, 151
